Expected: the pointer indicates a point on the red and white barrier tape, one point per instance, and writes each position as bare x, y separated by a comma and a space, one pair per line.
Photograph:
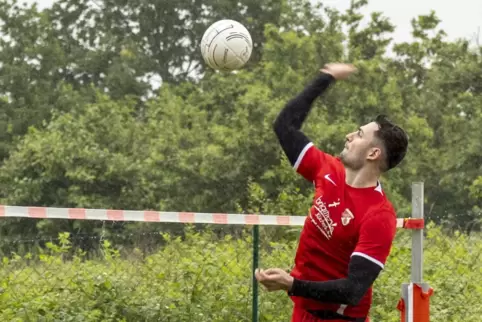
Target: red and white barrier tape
156, 216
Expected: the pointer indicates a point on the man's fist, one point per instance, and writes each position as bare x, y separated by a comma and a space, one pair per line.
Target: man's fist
274, 279
338, 70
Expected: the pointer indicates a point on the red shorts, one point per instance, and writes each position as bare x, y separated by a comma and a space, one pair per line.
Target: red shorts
300, 315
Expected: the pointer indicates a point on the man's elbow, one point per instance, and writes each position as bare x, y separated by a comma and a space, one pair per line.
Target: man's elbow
354, 300
285, 118
355, 296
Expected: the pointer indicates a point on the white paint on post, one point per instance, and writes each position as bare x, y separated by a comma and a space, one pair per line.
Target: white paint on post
417, 234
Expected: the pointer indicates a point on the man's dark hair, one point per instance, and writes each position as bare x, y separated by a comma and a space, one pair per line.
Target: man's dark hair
394, 140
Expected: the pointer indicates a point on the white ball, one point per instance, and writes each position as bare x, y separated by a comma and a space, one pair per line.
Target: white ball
226, 45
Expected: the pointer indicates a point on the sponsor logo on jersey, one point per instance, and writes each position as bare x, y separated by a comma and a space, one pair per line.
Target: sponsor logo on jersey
322, 219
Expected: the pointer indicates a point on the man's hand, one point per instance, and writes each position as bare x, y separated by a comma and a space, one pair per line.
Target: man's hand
338, 70
274, 279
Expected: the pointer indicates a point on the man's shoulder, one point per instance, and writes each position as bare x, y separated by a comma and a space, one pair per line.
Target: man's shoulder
379, 207
382, 207
379, 202
386, 208
333, 164
331, 168
315, 163
383, 214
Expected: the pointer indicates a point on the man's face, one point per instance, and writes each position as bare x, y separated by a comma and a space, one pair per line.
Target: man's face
361, 147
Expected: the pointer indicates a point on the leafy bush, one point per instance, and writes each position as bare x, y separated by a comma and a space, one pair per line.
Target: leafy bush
205, 277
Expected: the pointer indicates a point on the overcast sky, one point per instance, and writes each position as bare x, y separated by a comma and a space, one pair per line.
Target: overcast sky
460, 18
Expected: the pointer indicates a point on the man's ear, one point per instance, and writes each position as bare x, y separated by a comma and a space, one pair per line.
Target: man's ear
374, 153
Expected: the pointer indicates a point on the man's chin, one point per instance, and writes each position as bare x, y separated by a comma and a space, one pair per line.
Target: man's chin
343, 158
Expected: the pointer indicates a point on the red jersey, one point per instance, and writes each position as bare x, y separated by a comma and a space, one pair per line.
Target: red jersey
343, 221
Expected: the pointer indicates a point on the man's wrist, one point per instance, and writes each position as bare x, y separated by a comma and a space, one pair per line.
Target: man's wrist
325, 73
294, 287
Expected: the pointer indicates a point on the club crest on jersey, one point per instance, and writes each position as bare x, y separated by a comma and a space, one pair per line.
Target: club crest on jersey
346, 217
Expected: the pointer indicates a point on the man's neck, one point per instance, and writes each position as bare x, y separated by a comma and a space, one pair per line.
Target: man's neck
363, 178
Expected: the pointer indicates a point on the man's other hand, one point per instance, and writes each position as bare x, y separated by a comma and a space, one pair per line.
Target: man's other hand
274, 279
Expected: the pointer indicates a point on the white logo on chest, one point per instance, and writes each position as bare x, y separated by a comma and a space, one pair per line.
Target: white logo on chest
346, 217
334, 204
322, 217
327, 177
324, 223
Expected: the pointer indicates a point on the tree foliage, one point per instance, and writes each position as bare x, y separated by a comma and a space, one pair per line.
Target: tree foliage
204, 277
107, 104
200, 145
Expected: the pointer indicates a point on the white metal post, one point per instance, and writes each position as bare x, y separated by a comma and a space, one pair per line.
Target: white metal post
417, 254
417, 234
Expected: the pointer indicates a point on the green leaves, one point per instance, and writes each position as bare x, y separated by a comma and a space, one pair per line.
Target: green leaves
207, 276
83, 124
202, 146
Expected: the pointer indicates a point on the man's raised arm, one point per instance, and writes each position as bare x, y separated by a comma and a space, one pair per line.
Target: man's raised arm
289, 121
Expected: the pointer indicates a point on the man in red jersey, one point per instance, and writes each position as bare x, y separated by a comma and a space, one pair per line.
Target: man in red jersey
348, 233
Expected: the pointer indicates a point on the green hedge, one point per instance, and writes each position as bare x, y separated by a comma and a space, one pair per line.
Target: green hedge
204, 277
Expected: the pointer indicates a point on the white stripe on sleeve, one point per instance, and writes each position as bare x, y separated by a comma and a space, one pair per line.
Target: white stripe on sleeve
376, 261
302, 154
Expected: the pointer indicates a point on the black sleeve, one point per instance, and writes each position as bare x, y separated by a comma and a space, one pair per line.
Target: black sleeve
288, 123
361, 275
